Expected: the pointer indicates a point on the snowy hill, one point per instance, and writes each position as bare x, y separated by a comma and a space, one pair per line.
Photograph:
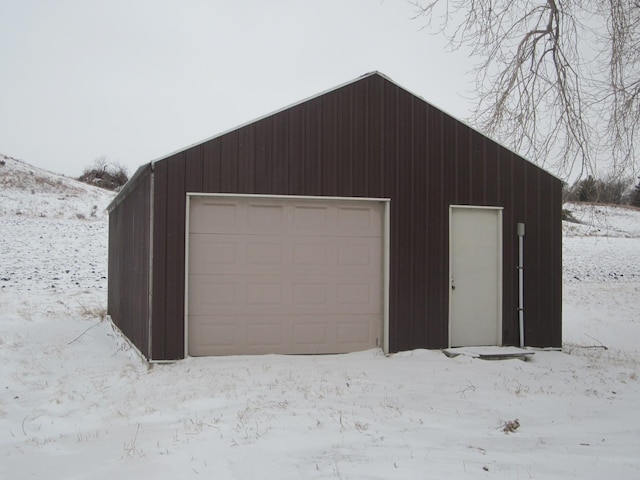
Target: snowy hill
595, 220
603, 246
77, 402
34, 192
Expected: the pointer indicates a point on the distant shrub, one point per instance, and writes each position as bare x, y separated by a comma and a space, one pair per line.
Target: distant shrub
105, 174
597, 190
567, 216
613, 189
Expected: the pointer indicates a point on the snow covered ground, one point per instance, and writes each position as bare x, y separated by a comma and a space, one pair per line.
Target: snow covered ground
76, 401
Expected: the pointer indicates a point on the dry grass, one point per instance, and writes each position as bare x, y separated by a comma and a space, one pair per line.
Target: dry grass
97, 311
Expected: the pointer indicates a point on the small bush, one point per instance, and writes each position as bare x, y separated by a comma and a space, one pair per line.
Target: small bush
105, 174
567, 216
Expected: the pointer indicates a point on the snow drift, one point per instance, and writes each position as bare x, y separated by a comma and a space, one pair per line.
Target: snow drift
77, 402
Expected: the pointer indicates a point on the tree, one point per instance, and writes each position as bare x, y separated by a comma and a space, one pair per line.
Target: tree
555, 79
588, 190
635, 195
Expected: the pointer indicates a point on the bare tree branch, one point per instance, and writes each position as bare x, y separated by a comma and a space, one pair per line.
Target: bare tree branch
557, 80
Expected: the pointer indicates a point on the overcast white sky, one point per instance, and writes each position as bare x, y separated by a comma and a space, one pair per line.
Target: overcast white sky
134, 80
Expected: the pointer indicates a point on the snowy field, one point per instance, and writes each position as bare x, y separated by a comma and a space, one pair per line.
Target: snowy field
76, 402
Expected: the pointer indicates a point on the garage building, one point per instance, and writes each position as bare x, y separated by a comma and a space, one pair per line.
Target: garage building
362, 217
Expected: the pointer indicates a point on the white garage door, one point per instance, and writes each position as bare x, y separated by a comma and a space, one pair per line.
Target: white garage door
284, 275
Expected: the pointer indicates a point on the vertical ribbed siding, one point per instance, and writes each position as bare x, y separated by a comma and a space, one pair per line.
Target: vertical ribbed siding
420, 264
510, 327
128, 270
159, 264
371, 138
437, 217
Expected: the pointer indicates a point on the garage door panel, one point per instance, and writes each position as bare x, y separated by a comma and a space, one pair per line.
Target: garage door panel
284, 276
233, 335
265, 253
310, 333
210, 294
265, 218
363, 255
207, 254
314, 254
221, 254
359, 221
356, 294
248, 294
265, 335
215, 335
226, 214
310, 294
241, 294
288, 335
310, 219
262, 294
351, 332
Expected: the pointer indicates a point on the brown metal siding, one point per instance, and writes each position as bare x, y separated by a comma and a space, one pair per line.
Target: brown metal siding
168, 260
211, 168
128, 297
510, 332
371, 138
437, 218
159, 262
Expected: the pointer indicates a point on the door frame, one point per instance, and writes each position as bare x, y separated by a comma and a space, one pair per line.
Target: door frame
499, 292
386, 255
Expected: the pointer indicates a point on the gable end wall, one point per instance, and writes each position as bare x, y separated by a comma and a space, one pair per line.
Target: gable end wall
372, 138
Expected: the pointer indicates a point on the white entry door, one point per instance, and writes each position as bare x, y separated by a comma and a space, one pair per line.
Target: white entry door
475, 274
